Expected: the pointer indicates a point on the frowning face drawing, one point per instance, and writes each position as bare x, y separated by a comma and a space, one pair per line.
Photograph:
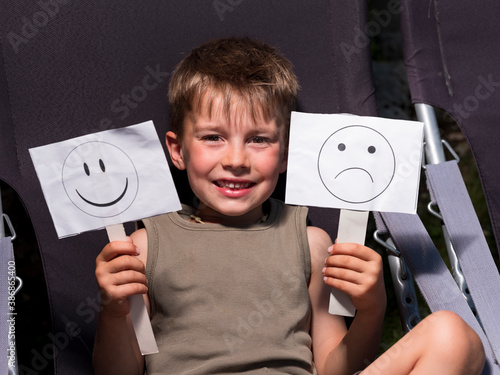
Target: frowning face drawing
356, 164
100, 179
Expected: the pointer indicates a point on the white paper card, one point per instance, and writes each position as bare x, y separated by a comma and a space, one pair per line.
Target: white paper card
105, 178
354, 162
352, 229
142, 325
138, 312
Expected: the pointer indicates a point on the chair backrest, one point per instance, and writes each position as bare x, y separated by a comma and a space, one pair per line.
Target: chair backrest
452, 58
72, 68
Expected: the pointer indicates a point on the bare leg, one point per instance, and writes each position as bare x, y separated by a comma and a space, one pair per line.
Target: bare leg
441, 344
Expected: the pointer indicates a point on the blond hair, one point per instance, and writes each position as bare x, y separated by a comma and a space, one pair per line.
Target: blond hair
234, 67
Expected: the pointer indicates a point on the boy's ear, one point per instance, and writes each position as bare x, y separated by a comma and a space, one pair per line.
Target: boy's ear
284, 161
175, 150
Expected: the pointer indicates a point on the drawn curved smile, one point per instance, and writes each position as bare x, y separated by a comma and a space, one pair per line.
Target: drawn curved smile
350, 169
109, 203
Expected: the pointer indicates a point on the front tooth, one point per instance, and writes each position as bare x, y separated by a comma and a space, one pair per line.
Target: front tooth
237, 185
231, 185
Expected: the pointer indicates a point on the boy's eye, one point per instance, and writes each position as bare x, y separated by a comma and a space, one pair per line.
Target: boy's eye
259, 140
211, 138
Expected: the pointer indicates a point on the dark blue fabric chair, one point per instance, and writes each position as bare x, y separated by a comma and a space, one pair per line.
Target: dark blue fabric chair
452, 59
73, 68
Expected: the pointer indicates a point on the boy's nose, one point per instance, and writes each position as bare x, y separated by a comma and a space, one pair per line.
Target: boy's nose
235, 158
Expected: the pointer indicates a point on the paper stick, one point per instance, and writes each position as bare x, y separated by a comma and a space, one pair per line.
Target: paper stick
352, 229
138, 312
116, 232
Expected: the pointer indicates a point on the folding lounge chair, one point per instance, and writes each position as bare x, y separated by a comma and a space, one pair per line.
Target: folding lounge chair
452, 60
70, 69
8, 290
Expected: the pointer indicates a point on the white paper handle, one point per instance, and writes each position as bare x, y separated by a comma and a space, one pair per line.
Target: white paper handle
138, 312
352, 229
116, 232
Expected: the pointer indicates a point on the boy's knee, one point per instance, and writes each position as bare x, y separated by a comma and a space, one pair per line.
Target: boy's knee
451, 331
451, 328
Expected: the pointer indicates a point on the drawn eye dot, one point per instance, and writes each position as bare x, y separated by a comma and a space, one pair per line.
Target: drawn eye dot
372, 149
86, 169
341, 147
101, 164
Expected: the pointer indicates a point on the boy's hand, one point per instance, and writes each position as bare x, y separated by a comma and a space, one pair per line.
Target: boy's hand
119, 274
357, 271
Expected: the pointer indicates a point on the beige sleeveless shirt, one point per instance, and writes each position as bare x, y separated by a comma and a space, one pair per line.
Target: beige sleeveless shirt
230, 300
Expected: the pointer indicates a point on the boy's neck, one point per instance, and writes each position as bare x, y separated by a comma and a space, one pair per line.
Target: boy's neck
208, 215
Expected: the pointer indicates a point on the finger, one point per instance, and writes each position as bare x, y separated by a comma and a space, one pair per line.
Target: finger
346, 262
125, 262
343, 285
129, 277
349, 282
342, 274
117, 248
112, 284
353, 249
123, 292
105, 270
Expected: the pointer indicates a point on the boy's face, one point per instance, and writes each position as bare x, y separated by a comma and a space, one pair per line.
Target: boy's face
232, 163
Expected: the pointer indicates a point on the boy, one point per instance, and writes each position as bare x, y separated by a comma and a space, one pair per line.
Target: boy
239, 283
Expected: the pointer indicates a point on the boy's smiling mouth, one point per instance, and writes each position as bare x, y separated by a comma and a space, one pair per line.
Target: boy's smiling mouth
233, 185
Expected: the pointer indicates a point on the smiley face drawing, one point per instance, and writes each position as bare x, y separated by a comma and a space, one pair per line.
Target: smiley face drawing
100, 179
356, 164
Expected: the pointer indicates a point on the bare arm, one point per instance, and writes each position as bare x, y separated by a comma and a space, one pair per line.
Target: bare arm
120, 274
356, 270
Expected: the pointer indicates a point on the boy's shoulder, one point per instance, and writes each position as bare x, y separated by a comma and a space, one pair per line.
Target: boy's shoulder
286, 206
275, 207
318, 237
